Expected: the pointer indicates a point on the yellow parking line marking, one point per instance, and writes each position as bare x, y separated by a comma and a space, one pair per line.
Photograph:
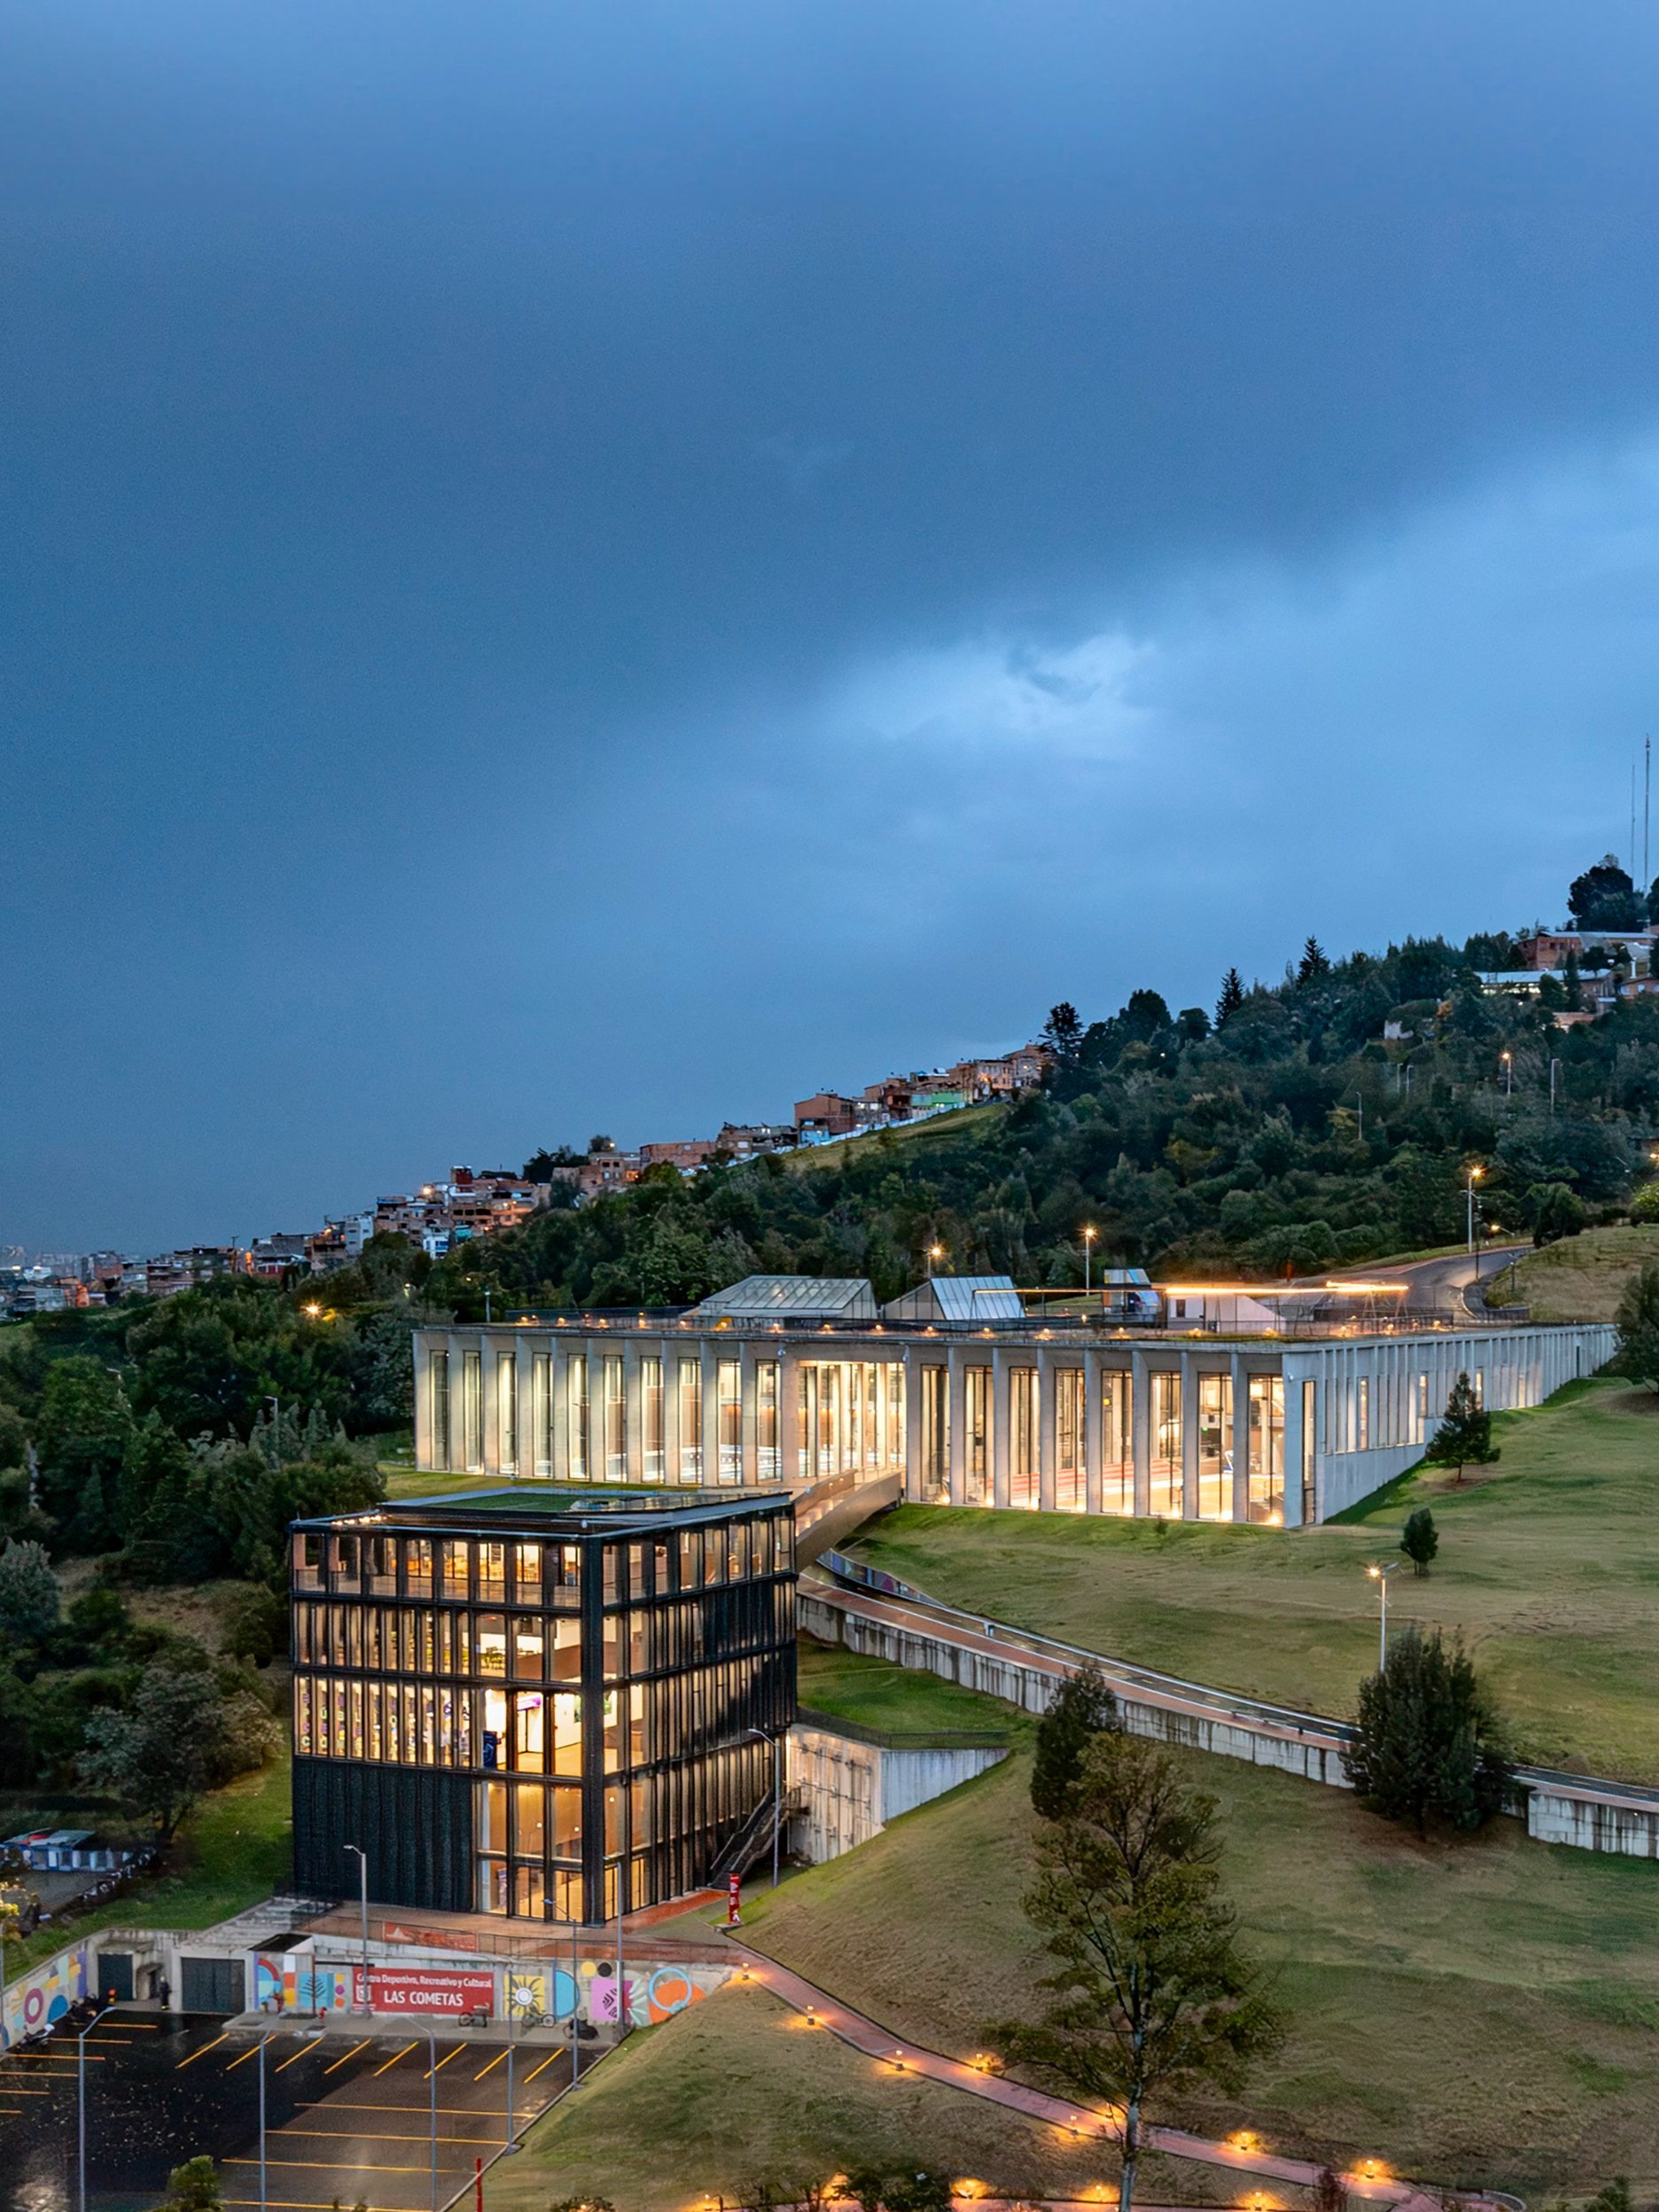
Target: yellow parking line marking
252, 2052
544, 2066
8, 2090
446, 2057
351, 2053
202, 2053
302, 2204
305, 2051
375, 2135
490, 2068
392, 2060
334, 2165
445, 2112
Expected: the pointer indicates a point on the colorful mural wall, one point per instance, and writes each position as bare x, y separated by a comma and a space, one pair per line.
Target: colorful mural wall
37, 1998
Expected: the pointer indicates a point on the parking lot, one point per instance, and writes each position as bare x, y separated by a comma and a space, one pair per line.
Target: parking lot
347, 2114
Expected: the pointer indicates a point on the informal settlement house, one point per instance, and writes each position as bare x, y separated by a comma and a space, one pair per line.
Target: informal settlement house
543, 1706
1209, 1401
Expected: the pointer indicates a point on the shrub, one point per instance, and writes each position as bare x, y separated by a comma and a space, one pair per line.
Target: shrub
1428, 1743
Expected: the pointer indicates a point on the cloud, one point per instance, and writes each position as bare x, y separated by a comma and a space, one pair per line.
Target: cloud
1081, 699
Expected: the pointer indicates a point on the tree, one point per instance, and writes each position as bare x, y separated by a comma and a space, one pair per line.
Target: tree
81, 1435
1420, 1539
1557, 1212
29, 1596
1464, 1437
1151, 1994
1082, 1706
1427, 1741
1637, 1315
1604, 897
1313, 963
178, 1738
193, 2187
1645, 1205
1231, 998
1062, 1033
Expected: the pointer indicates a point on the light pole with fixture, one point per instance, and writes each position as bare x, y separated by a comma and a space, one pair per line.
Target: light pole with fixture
1508, 1065
362, 1869
936, 1252
1474, 1175
1089, 1236
80, 2093
1380, 1575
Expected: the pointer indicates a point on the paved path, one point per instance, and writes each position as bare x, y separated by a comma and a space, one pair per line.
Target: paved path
1084, 2122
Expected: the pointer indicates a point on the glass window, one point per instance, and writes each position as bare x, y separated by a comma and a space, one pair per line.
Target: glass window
417, 1567
1166, 1491
729, 1406
491, 1571
690, 1421
615, 1420
492, 1643
1310, 1506
439, 1377
807, 1419
567, 1582
1266, 1449
493, 1885
529, 1649
976, 1485
1365, 1413
1070, 1493
766, 1421
566, 1733
529, 1818
473, 1410
303, 1702
493, 1748
528, 1573
935, 1471
542, 1411
457, 1568
529, 1732
568, 1825
576, 1415
652, 1462
1023, 1459
1215, 1447
566, 1639
895, 1418
529, 1891
507, 1411
492, 1816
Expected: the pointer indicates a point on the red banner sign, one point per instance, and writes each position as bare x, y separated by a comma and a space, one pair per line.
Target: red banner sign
423, 1990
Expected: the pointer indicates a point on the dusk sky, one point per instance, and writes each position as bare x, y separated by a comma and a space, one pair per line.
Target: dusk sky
574, 567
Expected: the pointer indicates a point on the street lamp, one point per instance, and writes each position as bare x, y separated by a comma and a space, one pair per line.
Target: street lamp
432, 2083
1089, 1236
936, 1252
1380, 1575
362, 1869
81, 2092
1508, 1065
305, 2034
1474, 1175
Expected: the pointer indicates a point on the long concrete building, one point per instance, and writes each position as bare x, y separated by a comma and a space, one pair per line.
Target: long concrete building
1209, 1405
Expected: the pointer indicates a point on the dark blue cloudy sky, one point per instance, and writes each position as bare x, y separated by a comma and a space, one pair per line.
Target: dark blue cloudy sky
602, 566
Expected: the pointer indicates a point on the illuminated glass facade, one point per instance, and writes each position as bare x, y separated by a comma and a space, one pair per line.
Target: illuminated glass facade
556, 1708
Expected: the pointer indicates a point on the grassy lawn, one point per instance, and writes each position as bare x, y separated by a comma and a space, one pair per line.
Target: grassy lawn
939, 1128
1483, 2011
1549, 1563
877, 1696
733, 2090
234, 1852
1580, 1278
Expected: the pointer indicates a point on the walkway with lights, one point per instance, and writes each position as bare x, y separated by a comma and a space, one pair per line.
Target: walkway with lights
1085, 2123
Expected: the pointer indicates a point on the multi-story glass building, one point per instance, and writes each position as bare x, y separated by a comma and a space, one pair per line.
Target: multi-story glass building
1190, 1405
547, 1707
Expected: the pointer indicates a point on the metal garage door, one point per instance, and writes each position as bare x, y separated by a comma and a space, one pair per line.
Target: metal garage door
115, 1976
211, 1985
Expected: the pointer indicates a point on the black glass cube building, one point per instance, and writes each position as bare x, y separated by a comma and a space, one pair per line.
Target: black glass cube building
553, 1707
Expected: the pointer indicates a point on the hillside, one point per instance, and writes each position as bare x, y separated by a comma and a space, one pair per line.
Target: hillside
1285, 1133
1580, 1278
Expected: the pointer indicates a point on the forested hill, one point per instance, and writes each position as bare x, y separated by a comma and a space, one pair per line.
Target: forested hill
1282, 1132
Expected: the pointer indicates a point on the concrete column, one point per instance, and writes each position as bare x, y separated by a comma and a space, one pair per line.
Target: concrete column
423, 1404
1093, 1431
526, 1380
1000, 1426
1240, 1439
789, 1415
711, 1418
749, 1359
558, 1405
1141, 1431
1293, 1451
633, 1410
1189, 1437
490, 1409
1045, 1429
913, 1364
956, 1400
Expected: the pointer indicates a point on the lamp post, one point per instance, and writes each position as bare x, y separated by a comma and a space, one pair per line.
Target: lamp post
362, 1871
1474, 1175
80, 2094
1089, 1236
936, 1252
1554, 1064
1380, 1575
432, 2084
1508, 1068
305, 2034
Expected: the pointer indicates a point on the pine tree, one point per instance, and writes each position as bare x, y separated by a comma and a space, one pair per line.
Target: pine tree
1063, 1032
1313, 963
1231, 996
1427, 1742
1464, 1438
1082, 1707
1420, 1539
